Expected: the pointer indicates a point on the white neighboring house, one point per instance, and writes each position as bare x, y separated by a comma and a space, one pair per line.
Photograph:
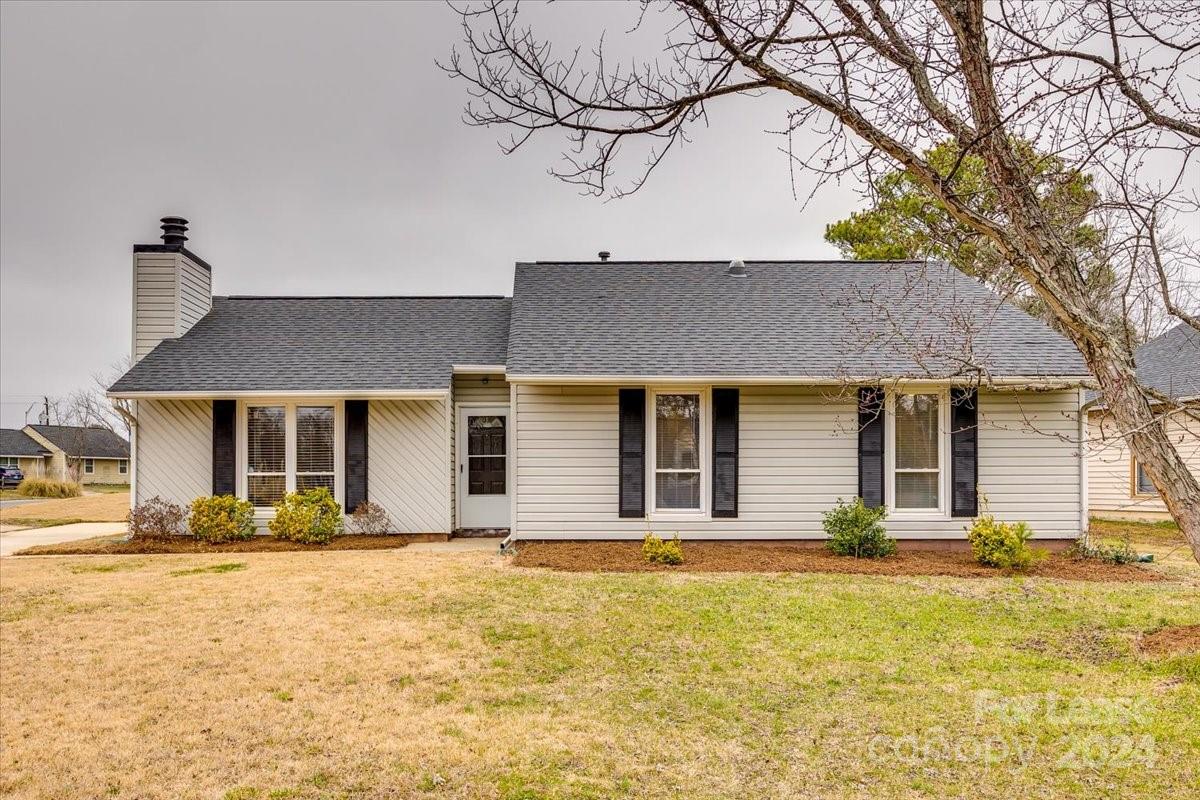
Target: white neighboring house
606, 399
1117, 485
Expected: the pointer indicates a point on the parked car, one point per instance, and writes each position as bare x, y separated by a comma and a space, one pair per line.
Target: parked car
10, 477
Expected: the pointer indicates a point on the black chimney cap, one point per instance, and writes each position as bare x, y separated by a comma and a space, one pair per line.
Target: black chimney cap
174, 230
604, 255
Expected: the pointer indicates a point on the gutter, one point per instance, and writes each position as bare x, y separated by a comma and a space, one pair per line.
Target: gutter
341, 394
1015, 381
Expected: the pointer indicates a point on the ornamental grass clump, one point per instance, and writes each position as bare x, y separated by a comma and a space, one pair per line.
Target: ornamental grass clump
1003, 544
221, 518
44, 487
309, 517
657, 551
855, 530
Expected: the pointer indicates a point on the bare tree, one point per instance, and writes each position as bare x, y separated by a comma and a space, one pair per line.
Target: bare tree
1108, 87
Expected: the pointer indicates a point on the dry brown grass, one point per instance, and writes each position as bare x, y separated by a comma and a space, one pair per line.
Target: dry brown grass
88, 508
413, 674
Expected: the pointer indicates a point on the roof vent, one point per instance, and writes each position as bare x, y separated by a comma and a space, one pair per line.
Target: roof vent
174, 230
604, 255
737, 269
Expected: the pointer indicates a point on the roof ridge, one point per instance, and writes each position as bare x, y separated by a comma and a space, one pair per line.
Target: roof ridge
717, 262
363, 297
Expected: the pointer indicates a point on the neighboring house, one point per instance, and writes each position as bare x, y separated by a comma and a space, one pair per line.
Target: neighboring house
608, 399
1117, 485
18, 449
84, 454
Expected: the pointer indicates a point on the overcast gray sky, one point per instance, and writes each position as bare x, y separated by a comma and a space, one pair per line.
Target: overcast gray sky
316, 149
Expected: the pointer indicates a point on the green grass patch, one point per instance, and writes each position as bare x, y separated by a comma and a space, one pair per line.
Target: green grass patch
214, 569
106, 488
112, 566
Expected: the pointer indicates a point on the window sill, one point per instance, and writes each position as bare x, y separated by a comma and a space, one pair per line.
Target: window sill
678, 516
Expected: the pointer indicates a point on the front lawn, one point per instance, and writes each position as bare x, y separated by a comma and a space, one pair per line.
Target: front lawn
100, 507
417, 674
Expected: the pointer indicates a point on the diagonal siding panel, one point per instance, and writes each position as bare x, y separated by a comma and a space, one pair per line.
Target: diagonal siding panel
406, 444
174, 450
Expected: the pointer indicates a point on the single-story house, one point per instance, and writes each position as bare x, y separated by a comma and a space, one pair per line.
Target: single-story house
1117, 485
18, 449
88, 454
605, 399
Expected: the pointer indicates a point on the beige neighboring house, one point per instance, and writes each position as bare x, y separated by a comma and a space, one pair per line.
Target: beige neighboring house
18, 449
1117, 485
87, 455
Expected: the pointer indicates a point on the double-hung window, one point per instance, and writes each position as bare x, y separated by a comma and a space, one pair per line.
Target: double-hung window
1142, 485
288, 447
679, 451
89, 466
917, 448
123, 466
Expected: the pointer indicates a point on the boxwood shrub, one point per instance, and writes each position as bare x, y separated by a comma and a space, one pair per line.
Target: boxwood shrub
309, 517
221, 518
855, 530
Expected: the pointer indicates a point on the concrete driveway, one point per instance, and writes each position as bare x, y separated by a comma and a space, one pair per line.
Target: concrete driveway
14, 539
21, 502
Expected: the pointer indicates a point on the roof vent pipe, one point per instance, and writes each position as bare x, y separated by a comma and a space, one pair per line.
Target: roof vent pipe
174, 230
737, 269
604, 255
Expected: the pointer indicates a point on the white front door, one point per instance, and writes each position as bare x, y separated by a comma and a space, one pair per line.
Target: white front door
483, 469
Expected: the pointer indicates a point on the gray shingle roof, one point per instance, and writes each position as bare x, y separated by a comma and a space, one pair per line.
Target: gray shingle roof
15, 442
1170, 363
326, 343
79, 442
795, 319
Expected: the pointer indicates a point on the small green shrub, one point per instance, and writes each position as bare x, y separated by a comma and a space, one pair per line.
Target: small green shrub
855, 530
44, 487
1002, 544
221, 518
155, 519
311, 517
657, 551
1122, 553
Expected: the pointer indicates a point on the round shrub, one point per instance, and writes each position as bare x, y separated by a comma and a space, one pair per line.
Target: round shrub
311, 517
1002, 544
221, 518
369, 519
855, 530
656, 551
155, 519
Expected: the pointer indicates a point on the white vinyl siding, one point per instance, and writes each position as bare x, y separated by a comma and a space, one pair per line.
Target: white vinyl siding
797, 454
406, 457
174, 450
1111, 466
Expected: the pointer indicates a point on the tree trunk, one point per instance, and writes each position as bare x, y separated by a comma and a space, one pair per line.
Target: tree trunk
1146, 433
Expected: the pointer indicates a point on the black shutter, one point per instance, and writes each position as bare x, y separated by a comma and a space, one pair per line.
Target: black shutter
870, 446
632, 436
725, 453
224, 447
356, 454
964, 452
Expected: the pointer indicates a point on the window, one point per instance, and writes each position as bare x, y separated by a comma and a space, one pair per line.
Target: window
289, 447
1141, 481
266, 454
678, 452
917, 447
89, 466
123, 467
8, 461
314, 447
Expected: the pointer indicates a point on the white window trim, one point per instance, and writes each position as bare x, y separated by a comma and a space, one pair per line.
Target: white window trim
942, 510
1137, 488
653, 513
122, 466
289, 405
89, 466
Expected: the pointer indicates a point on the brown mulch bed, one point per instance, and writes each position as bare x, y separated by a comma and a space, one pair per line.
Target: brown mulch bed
784, 557
1171, 640
259, 544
